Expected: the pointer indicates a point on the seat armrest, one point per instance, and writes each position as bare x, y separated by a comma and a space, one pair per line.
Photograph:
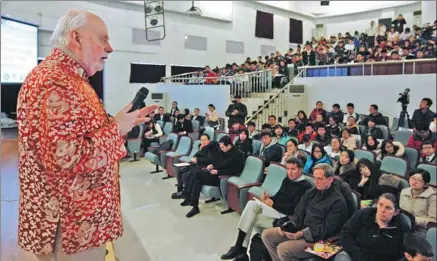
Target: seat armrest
250, 185
224, 176
164, 151
176, 156
431, 224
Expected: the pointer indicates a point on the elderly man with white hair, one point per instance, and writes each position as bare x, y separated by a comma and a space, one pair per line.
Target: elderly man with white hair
69, 149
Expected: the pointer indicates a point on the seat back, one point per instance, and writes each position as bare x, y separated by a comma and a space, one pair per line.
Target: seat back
385, 131
357, 140
196, 125
253, 169
236, 138
174, 138
432, 169
256, 145
222, 124
276, 173
407, 219
402, 136
160, 123
310, 179
168, 128
387, 123
432, 239
361, 128
194, 148
211, 133
413, 157
365, 154
394, 125
394, 165
357, 199
184, 146
219, 135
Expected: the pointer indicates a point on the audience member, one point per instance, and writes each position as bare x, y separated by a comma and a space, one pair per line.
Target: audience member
417, 248
318, 155
423, 116
420, 200
244, 143
197, 117
235, 130
320, 214
420, 136
352, 126
161, 116
253, 133
292, 152
334, 149
182, 126
236, 111
229, 163
350, 112
372, 144
332, 127
307, 144
428, 153
345, 166
174, 117
370, 129
348, 140
433, 124
307, 131
212, 117
292, 130
377, 117
318, 110
318, 122
272, 122
374, 233
174, 107
336, 113
270, 150
152, 133
301, 120
280, 136
284, 201
365, 180
392, 148
323, 138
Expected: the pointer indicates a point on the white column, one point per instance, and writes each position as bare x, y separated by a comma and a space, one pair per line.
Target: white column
428, 11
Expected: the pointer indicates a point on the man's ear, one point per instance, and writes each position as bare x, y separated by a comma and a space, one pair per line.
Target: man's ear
397, 211
408, 256
74, 37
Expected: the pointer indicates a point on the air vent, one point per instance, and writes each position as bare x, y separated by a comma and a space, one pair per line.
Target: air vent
297, 88
319, 26
324, 3
417, 13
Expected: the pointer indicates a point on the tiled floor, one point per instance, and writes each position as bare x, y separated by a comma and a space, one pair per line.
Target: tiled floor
156, 228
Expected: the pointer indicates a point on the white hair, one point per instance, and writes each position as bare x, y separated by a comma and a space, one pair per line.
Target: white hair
74, 19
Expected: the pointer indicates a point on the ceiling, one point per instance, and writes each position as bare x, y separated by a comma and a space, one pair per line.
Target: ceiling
335, 8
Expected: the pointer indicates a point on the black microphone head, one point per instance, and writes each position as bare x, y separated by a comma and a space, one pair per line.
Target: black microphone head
144, 91
139, 98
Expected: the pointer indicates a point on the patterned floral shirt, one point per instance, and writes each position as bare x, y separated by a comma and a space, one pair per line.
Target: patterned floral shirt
68, 160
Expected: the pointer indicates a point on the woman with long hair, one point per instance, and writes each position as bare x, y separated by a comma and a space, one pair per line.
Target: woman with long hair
152, 133
392, 148
372, 144
301, 120
244, 143
212, 117
280, 136
318, 155
292, 151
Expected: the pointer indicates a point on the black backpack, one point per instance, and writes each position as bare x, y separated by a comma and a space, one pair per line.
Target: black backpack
257, 251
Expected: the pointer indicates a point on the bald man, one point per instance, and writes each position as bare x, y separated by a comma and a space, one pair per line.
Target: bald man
69, 149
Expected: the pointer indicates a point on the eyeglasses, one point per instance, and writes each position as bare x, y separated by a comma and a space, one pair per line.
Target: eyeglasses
319, 179
418, 180
319, 151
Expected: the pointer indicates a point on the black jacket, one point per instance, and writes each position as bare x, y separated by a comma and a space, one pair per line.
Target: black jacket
240, 117
338, 116
273, 153
165, 117
333, 130
200, 119
289, 195
422, 120
378, 118
325, 140
293, 133
206, 155
363, 240
229, 163
185, 126
245, 146
377, 132
309, 59
322, 212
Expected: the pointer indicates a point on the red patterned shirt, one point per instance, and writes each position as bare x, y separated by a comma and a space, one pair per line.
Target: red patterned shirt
68, 160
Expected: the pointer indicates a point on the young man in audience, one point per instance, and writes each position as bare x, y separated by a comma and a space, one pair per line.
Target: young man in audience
253, 133
318, 110
423, 116
336, 113
323, 138
377, 117
307, 143
182, 126
272, 122
161, 116
308, 131
420, 136
229, 162
284, 201
270, 150
417, 248
197, 117
351, 112
428, 153
371, 130
292, 130
320, 214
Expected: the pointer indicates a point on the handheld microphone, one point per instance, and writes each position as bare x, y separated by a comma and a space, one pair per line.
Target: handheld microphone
139, 98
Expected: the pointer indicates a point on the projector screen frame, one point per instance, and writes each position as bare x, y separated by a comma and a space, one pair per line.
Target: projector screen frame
37, 42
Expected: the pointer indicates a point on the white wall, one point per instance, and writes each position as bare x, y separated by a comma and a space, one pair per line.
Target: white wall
429, 11
360, 22
365, 90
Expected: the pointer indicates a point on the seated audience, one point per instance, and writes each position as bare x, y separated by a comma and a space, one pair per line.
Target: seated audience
280, 136
182, 126
207, 151
161, 116
320, 214
244, 143
235, 130
292, 130
187, 114
428, 153
284, 201
212, 117
318, 155
270, 150
308, 131
365, 180
420, 200
374, 234
174, 117
417, 248
152, 133
423, 116
334, 149
322, 137
371, 130
352, 126
333, 128
301, 120
392, 148
420, 136
174, 108
293, 152
347, 140
351, 112
197, 117
345, 166
307, 144
253, 133
318, 122
272, 122
336, 113
229, 163
372, 144
318, 110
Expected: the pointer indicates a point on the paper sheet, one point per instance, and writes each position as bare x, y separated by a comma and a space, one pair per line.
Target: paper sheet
269, 211
182, 164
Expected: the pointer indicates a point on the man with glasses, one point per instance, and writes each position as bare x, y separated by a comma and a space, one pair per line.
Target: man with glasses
428, 153
320, 214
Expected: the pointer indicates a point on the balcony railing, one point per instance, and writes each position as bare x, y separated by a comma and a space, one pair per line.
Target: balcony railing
422, 66
241, 84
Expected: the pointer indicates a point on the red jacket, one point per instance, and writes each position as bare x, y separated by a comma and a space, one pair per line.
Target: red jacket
415, 143
314, 113
234, 133
302, 133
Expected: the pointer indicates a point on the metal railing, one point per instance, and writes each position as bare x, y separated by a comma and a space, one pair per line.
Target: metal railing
372, 68
241, 84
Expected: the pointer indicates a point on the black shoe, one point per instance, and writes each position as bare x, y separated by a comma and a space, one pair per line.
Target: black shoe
185, 203
232, 253
242, 257
193, 211
177, 195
